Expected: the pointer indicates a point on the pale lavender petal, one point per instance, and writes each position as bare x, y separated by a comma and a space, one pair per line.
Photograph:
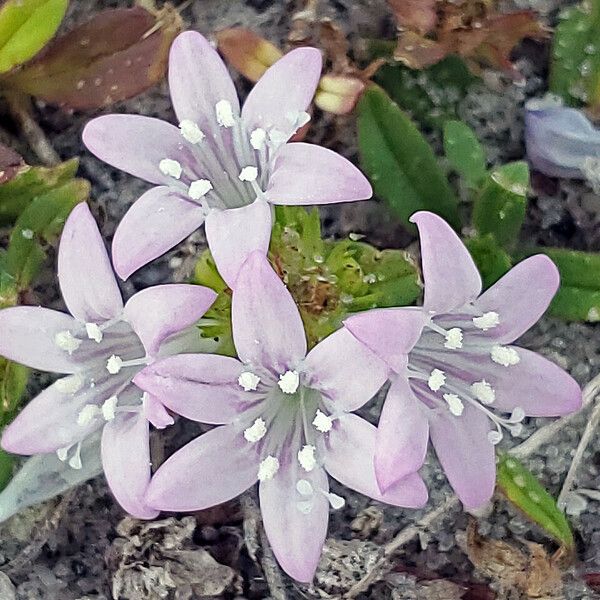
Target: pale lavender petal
402, 435
126, 462
284, 91
210, 470
540, 387
296, 536
160, 311
466, 454
156, 222
520, 298
200, 387
390, 333
558, 140
135, 144
267, 328
198, 79
349, 458
234, 233
86, 278
27, 336
310, 174
449, 273
156, 413
345, 370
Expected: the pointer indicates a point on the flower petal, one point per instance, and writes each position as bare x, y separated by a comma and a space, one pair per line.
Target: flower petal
160, 311
126, 462
86, 278
450, 275
345, 370
156, 413
27, 336
540, 387
212, 469
520, 298
267, 328
200, 387
234, 233
284, 91
466, 454
135, 144
349, 458
156, 222
297, 537
402, 435
390, 333
198, 79
310, 174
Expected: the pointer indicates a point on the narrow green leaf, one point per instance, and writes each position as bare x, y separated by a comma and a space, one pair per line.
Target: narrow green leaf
528, 495
575, 63
464, 152
500, 208
491, 260
26, 26
7, 464
576, 304
399, 162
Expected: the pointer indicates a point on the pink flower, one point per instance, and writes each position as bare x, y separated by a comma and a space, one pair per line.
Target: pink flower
458, 380
220, 166
285, 419
100, 348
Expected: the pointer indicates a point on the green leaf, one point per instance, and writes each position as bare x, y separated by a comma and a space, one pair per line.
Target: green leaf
491, 260
431, 95
7, 465
527, 494
575, 63
399, 162
500, 208
464, 152
26, 26
13, 380
30, 183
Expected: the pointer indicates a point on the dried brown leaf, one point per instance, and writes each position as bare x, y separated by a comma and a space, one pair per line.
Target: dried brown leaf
416, 15
116, 55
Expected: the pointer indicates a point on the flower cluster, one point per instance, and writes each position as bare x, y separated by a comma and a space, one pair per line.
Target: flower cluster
283, 414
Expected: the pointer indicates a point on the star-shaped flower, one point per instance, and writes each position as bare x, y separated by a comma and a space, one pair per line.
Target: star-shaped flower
285, 419
100, 348
220, 166
458, 380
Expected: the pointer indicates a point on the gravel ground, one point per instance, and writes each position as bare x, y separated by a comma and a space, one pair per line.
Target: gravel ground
83, 547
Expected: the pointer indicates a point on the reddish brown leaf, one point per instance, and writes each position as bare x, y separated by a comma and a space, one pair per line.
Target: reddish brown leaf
10, 163
416, 15
418, 52
116, 55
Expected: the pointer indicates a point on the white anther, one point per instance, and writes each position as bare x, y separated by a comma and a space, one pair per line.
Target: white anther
268, 468
289, 382
304, 487
93, 332
199, 188
249, 381
256, 431
224, 113
66, 341
191, 132
87, 414
170, 167
258, 138
27, 234
75, 460
436, 380
248, 174
69, 385
454, 404
454, 339
322, 422
336, 502
114, 364
517, 415
306, 457
516, 429
488, 320
483, 391
505, 356
495, 437
109, 408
